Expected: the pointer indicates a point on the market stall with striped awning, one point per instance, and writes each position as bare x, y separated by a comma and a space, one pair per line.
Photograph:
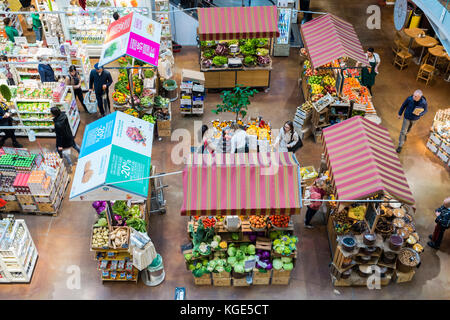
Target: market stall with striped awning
362, 161
225, 23
328, 38
242, 184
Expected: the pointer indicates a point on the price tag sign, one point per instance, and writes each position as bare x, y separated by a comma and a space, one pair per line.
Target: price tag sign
21, 40
198, 88
52, 41
185, 85
9, 150
23, 152
186, 101
250, 264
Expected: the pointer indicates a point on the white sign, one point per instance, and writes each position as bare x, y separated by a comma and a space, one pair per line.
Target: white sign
52, 41
20, 40
198, 88
250, 264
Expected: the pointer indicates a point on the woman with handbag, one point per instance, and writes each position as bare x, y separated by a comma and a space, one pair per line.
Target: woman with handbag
64, 136
74, 80
288, 140
317, 193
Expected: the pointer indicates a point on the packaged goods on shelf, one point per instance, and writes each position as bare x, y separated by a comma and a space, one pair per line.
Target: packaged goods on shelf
439, 140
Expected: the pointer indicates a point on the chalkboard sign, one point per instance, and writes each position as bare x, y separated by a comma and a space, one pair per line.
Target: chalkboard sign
371, 217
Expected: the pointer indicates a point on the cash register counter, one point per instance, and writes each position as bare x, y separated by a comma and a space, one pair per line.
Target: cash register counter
221, 78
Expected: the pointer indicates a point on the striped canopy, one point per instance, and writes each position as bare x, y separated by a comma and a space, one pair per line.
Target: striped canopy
328, 38
242, 184
225, 23
363, 162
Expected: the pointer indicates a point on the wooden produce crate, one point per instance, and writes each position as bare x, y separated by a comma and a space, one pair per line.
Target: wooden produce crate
204, 280
341, 256
25, 199
400, 277
261, 278
11, 206
263, 244
221, 275
125, 245
357, 281
29, 207
280, 281
221, 282
97, 248
8, 196
240, 282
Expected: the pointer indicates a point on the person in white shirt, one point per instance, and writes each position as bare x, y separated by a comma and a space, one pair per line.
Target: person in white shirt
287, 138
238, 140
368, 74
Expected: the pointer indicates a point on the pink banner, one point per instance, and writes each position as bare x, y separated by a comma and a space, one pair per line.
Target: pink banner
143, 49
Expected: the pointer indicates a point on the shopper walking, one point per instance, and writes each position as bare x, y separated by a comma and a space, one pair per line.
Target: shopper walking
368, 74
414, 107
6, 121
207, 144
46, 72
9, 72
442, 224
239, 140
288, 140
73, 79
317, 192
99, 82
10, 31
37, 24
64, 136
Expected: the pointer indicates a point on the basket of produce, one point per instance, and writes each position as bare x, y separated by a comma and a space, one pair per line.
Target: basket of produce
348, 243
384, 227
100, 238
119, 237
219, 61
119, 98
407, 260
258, 223
279, 222
395, 242
249, 61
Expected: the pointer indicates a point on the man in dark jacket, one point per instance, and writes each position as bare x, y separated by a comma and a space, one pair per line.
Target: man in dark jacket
99, 81
414, 107
64, 136
46, 71
6, 121
442, 224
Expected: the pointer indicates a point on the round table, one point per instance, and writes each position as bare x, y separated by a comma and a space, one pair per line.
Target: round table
426, 41
413, 33
438, 52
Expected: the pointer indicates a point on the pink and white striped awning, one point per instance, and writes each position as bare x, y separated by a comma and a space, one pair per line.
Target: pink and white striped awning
242, 184
328, 38
226, 23
363, 162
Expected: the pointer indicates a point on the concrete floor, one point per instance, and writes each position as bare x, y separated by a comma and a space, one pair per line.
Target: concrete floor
63, 241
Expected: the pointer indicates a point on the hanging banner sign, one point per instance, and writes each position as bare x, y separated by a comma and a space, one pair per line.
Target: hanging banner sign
134, 35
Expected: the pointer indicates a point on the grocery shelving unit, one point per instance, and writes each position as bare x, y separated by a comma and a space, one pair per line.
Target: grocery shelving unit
79, 58
18, 253
23, 117
164, 19
51, 23
82, 27
192, 92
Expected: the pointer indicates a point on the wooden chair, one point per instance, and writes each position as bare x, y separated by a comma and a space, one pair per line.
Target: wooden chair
402, 57
399, 42
426, 70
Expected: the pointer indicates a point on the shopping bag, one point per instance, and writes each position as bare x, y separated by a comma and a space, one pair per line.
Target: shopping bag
90, 106
67, 152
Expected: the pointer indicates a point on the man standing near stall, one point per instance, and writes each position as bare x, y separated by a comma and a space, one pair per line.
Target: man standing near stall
442, 224
99, 82
6, 121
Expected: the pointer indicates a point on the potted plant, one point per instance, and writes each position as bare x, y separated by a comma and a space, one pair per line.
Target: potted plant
235, 101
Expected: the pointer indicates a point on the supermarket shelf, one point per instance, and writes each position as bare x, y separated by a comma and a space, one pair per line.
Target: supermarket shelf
48, 120
38, 134
33, 112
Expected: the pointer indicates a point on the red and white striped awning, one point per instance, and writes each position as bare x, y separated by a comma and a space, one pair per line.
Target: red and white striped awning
226, 23
328, 38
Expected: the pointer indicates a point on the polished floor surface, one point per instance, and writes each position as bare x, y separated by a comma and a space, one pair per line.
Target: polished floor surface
63, 241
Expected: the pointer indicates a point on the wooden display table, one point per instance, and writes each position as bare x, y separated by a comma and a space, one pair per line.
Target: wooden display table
258, 77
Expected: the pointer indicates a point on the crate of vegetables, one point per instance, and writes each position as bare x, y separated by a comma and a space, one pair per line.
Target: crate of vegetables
258, 223
119, 237
261, 276
100, 238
